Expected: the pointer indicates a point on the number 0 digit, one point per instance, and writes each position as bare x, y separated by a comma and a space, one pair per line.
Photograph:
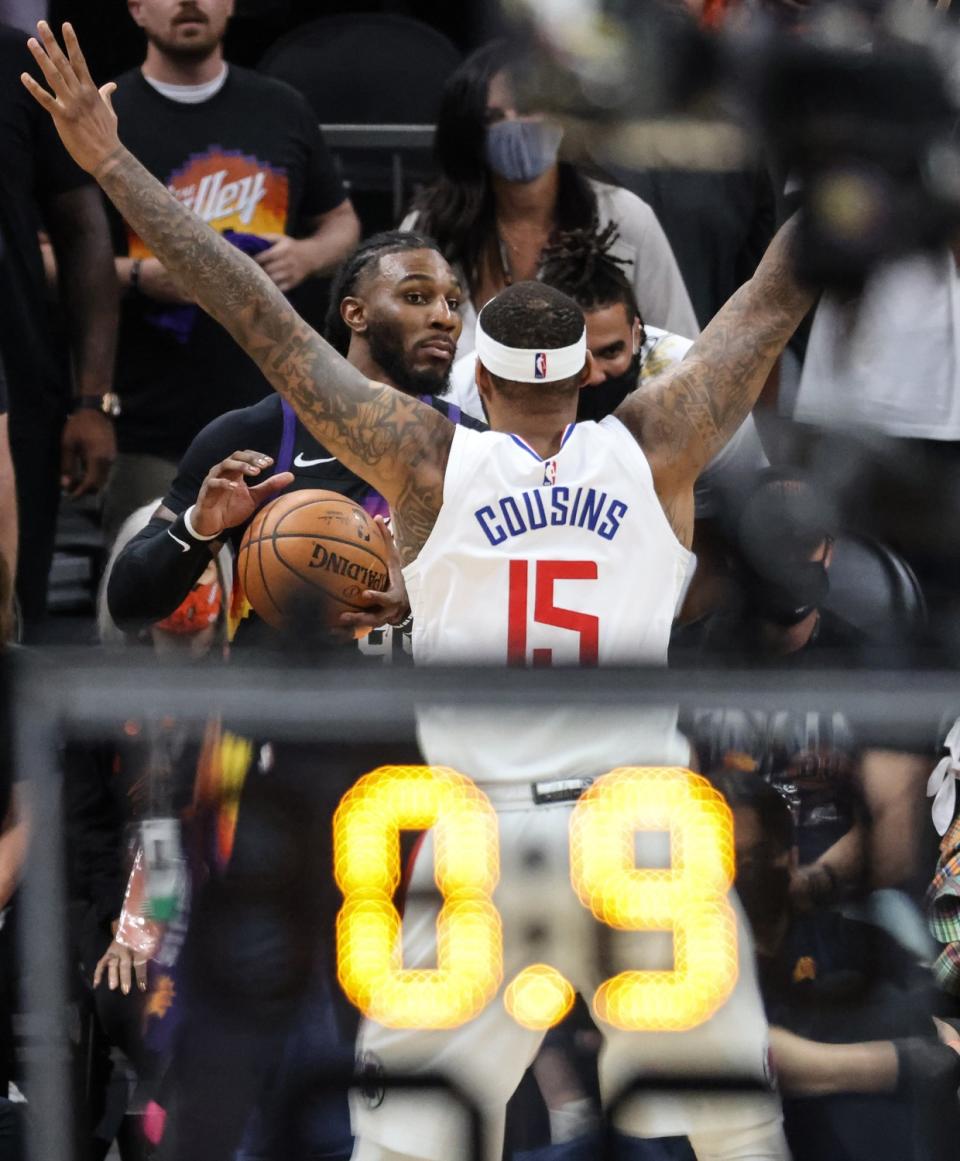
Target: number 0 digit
367, 828
689, 898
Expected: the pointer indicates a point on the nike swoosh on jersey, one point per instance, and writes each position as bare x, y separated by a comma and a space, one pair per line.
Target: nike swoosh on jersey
183, 544
300, 462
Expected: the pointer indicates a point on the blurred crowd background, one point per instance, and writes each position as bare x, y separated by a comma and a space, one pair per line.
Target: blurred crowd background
639, 157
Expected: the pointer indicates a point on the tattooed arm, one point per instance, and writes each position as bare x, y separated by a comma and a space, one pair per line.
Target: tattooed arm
683, 417
394, 442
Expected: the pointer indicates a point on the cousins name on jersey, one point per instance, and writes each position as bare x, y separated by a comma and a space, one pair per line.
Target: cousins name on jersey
557, 506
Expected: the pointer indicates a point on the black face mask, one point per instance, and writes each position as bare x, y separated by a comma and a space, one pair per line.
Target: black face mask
764, 892
599, 402
789, 597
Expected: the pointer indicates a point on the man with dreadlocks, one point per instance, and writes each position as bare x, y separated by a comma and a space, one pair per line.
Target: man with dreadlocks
627, 354
394, 314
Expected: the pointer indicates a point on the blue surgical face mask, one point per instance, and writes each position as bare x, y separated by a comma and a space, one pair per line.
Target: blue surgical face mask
522, 150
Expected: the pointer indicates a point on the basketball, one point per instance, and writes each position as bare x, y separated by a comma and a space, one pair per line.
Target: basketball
310, 554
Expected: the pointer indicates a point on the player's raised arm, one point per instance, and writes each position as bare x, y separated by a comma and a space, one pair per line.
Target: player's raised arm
394, 442
684, 416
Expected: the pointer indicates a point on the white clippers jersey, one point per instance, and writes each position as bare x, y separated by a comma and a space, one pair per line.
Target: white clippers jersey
560, 562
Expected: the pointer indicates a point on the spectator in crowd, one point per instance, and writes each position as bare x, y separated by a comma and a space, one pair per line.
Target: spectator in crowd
244, 151
627, 353
502, 195
100, 791
113, 940
784, 547
394, 313
837, 981
858, 812
55, 442
881, 386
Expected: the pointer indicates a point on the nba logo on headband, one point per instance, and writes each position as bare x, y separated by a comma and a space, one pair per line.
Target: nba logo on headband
527, 364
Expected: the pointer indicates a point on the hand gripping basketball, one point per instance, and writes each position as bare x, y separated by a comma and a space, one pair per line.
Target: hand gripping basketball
226, 498
391, 606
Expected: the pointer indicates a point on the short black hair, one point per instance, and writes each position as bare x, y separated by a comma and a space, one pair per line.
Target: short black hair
533, 316
579, 263
746, 789
345, 281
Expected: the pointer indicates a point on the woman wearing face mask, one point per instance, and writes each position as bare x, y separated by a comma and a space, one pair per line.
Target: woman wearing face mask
503, 195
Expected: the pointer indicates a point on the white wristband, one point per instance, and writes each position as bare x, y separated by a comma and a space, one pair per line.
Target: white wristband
188, 524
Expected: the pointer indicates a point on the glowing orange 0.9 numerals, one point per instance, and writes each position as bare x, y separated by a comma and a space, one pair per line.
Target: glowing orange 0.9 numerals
688, 899
367, 828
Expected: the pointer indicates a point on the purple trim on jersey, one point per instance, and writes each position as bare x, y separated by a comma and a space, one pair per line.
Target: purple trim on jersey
453, 411
567, 432
375, 505
285, 454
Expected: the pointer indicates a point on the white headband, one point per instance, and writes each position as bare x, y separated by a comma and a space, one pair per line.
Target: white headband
530, 366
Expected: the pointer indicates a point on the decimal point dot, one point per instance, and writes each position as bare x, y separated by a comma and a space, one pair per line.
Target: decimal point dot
539, 997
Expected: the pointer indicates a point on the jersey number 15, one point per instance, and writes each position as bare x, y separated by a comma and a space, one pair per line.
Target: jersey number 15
545, 575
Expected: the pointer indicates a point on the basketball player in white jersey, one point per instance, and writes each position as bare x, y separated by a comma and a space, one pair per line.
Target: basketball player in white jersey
539, 542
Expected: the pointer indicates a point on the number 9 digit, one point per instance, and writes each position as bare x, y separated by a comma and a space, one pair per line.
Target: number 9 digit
366, 833
688, 899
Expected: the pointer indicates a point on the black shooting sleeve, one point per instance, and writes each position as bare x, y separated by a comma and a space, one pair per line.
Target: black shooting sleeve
154, 573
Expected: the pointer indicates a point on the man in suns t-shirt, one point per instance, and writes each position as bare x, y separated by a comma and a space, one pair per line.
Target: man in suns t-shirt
245, 153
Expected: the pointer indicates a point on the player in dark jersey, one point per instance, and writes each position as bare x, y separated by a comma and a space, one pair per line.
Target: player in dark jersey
395, 315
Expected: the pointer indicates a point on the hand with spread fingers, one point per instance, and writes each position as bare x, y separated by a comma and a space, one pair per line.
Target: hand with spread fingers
228, 498
386, 608
82, 113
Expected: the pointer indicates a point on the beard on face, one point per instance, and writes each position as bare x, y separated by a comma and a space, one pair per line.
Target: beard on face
190, 50
198, 47
387, 351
